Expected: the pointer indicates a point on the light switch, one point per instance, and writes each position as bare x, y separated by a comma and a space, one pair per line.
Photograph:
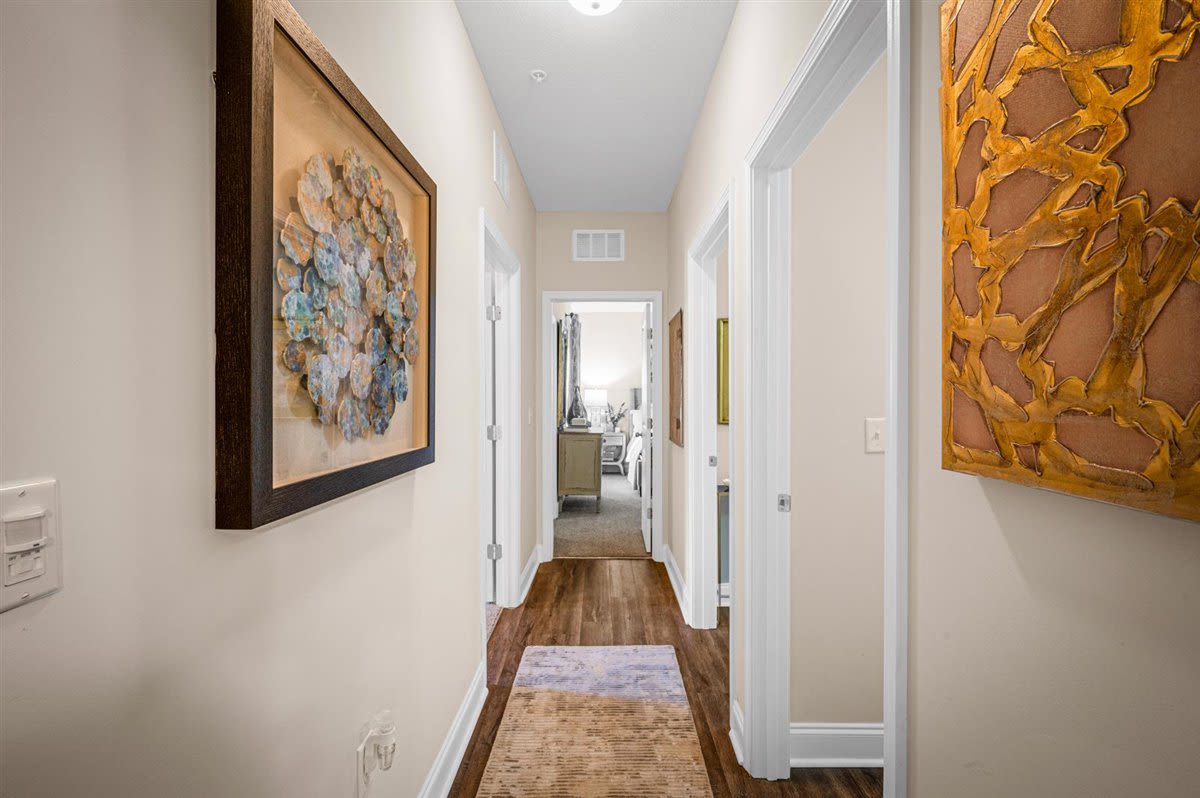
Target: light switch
29, 542
875, 432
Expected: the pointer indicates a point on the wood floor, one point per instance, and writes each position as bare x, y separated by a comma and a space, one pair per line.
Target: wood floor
629, 602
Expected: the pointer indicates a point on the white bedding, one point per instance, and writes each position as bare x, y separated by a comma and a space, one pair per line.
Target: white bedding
632, 451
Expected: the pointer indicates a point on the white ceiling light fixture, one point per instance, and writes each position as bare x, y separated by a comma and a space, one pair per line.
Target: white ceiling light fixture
538, 75
595, 8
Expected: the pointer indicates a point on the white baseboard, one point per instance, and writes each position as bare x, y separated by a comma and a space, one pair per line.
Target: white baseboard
723, 594
449, 757
737, 732
836, 745
677, 584
527, 574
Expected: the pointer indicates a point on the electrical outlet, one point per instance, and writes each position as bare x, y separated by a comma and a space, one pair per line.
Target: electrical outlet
875, 432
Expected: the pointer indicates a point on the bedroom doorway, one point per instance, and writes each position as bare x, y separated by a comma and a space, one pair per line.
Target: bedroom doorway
601, 489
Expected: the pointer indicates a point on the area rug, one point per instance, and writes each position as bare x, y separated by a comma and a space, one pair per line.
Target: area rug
616, 531
590, 721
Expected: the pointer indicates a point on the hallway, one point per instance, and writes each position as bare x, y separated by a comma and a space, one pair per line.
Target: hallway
593, 602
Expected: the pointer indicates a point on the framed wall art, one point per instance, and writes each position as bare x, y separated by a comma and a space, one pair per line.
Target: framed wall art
675, 353
1071, 247
325, 247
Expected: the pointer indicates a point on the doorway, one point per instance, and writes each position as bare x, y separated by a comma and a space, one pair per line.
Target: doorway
500, 402
591, 465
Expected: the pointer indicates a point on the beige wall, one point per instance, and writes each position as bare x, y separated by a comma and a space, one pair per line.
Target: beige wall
179, 660
1055, 641
763, 47
644, 269
839, 378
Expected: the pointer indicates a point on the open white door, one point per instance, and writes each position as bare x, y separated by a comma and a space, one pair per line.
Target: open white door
648, 377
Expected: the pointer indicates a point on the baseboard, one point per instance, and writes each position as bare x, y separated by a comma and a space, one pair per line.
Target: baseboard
678, 585
527, 574
737, 732
449, 757
723, 594
836, 745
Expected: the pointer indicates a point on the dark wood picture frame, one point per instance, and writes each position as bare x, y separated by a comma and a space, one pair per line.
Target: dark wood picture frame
675, 403
246, 496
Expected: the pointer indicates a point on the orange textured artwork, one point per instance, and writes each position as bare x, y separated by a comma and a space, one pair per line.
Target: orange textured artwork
1071, 247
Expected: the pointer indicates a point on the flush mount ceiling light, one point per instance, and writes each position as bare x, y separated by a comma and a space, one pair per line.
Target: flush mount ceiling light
595, 8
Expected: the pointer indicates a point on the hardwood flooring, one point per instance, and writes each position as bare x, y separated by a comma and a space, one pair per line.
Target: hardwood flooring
630, 602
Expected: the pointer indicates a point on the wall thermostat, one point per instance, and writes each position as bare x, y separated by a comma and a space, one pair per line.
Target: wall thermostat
29, 542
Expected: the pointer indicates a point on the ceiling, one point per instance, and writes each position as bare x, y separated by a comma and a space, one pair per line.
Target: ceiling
608, 128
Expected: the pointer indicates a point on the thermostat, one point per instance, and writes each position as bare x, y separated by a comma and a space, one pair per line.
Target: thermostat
29, 542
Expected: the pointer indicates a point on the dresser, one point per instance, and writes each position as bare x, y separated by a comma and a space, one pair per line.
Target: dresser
612, 450
579, 465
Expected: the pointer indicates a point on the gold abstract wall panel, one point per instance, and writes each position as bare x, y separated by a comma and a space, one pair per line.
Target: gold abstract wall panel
1071, 246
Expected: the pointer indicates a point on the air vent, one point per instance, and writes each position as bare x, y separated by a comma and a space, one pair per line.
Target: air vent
599, 244
499, 166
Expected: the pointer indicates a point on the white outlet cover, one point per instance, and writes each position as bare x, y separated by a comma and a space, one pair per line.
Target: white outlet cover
874, 435
31, 542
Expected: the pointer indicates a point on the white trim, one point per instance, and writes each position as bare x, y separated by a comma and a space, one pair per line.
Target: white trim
848, 43
836, 745
736, 734
700, 409
498, 262
678, 584
449, 756
549, 498
527, 574
723, 594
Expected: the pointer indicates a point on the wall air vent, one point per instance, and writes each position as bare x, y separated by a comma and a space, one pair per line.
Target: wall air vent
499, 166
599, 244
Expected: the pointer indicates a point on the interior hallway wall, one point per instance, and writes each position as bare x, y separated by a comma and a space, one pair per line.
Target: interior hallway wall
839, 378
1055, 641
644, 269
765, 43
179, 660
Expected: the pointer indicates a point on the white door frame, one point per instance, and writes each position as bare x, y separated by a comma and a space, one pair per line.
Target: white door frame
848, 43
497, 258
700, 410
549, 459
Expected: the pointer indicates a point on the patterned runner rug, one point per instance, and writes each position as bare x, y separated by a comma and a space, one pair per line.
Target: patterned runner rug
587, 721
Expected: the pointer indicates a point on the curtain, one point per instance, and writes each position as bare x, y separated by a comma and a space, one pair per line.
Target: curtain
571, 397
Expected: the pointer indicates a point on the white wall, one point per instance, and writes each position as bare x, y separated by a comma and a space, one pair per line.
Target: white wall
610, 352
763, 46
1055, 642
839, 378
179, 660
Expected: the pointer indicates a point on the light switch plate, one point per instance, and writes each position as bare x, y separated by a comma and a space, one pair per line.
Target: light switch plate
30, 542
875, 433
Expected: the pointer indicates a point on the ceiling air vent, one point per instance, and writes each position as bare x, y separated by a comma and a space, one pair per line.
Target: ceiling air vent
599, 244
499, 166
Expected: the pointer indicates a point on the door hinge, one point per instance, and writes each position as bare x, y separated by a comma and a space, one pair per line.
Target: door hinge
784, 503
650, 513
712, 459
494, 551
492, 312
650, 423
650, 334
493, 432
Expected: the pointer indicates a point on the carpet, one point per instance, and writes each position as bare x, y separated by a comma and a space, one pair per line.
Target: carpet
616, 531
493, 614
597, 721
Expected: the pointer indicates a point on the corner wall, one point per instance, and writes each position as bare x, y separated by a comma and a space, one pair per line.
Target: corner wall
1055, 641
763, 46
179, 660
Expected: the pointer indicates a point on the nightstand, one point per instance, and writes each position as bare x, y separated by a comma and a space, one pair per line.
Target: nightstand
612, 450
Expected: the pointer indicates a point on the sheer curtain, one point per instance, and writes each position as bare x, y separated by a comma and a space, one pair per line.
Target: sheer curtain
570, 399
